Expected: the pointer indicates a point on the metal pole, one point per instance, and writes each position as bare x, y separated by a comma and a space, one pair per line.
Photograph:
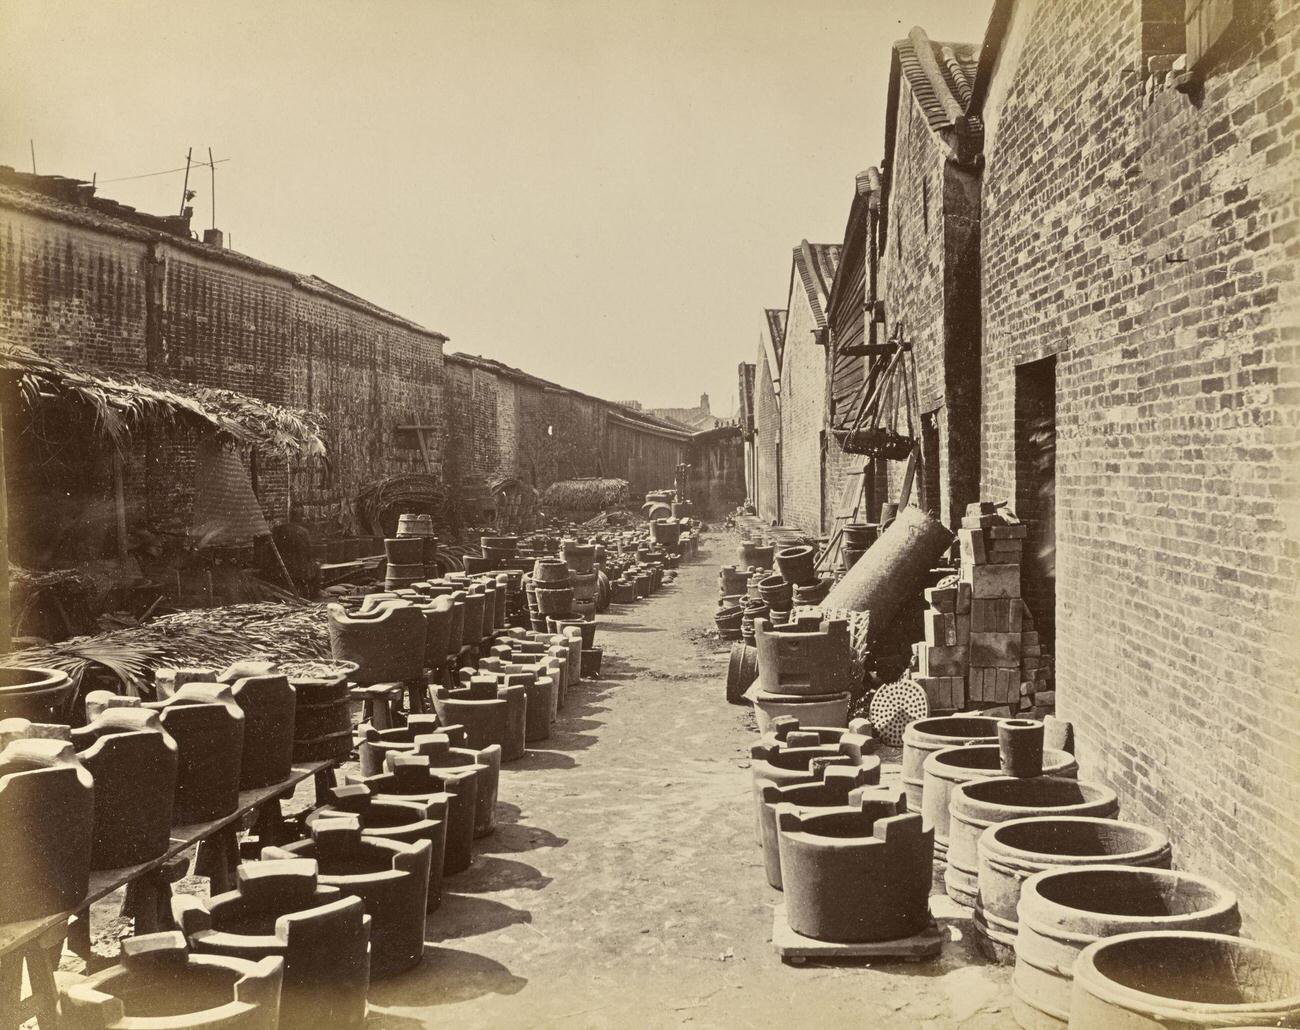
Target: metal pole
186, 187
213, 166
32, 142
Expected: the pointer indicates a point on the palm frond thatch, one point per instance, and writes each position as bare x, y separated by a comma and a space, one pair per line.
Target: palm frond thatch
591, 494
195, 637
120, 403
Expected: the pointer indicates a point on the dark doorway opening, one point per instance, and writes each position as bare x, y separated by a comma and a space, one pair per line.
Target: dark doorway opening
930, 480
1035, 441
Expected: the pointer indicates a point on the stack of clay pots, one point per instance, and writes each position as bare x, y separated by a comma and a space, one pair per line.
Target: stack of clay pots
804, 670
582, 560
412, 555
797, 566
856, 538
552, 589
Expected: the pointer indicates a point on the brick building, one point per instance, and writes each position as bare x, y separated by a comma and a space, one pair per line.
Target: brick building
765, 489
102, 286
803, 394
1091, 241
1140, 402
510, 423
928, 253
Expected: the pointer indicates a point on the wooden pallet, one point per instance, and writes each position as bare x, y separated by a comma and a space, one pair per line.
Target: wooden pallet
796, 949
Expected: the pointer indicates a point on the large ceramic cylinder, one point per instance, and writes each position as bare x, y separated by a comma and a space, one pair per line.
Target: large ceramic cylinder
893, 570
1011, 852
46, 822
927, 735
979, 804
1062, 911
278, 909
1184, 979
390, 878
946, 768
157, 982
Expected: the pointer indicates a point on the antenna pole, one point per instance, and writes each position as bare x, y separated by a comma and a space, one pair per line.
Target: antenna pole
212, 165
32, 142
186, 187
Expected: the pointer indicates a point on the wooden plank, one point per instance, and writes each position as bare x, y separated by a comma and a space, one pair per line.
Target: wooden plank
796, 949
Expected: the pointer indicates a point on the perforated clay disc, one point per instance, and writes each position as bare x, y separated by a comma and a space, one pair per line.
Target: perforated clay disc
894, 706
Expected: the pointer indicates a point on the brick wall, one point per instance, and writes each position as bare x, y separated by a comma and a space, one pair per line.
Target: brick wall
803, 416
767, 434
105, 294
928, 271
717, 460
1152, 248
77, 295
505, 422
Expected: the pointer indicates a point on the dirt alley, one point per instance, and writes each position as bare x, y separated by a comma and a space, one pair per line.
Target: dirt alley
623, 885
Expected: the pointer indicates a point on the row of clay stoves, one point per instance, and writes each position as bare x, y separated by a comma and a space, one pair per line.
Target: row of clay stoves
115, 792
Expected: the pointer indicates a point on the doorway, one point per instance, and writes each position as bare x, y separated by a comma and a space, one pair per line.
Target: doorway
1035, 444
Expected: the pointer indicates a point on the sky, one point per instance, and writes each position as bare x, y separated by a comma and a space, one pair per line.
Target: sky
605, 193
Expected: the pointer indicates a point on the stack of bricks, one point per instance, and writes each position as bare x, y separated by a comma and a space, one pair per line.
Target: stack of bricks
981, 647
942, 660
992, 546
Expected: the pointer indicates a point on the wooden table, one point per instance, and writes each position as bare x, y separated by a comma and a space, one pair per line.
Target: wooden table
39, 942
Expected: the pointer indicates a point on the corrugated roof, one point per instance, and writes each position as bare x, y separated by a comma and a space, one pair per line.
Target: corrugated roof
816, 264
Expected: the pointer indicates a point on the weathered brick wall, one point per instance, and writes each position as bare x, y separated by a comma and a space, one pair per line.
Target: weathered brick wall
803, 417
927, 267
1153, 250
767, 432
109, 299
71, 293
718, 472
220, 325
367, 375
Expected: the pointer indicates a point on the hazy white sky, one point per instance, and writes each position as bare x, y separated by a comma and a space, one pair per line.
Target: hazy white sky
603, 192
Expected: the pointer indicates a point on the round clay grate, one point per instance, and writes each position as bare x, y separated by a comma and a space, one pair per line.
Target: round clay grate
894, 706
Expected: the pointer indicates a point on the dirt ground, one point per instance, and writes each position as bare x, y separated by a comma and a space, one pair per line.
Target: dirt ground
623, 885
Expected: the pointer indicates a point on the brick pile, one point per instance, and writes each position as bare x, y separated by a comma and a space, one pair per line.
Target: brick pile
981, 645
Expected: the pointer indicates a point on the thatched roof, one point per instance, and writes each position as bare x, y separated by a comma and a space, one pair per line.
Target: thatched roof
120, 403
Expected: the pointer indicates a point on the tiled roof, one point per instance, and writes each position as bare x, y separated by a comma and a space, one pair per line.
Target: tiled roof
816, 264
940, 76
776, 334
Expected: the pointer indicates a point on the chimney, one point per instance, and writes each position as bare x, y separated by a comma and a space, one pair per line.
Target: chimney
214, 237
704, 403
